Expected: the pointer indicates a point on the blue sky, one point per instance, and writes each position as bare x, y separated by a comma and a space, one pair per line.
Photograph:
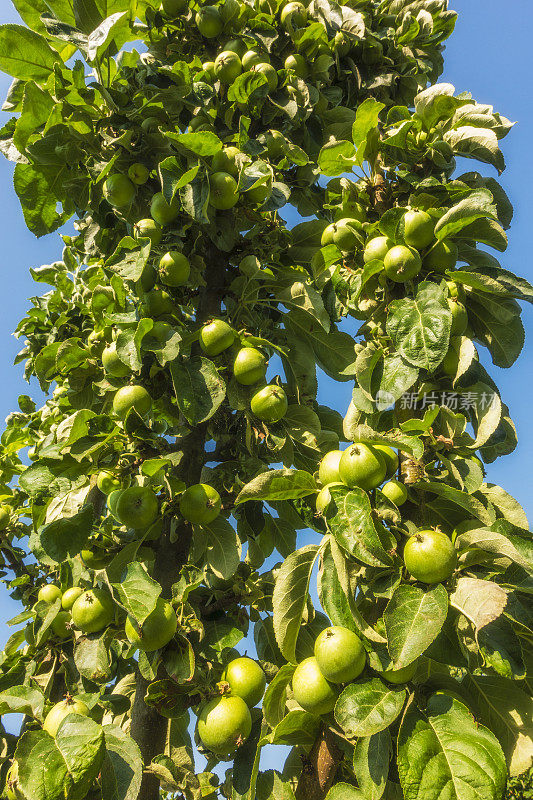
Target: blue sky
489, 55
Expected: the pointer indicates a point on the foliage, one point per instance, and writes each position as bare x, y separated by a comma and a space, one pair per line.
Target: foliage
520, 787
169, 479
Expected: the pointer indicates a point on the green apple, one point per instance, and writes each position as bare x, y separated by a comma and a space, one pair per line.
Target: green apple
228, 66
174, 269
419, 229
112, 363
138, 174
226, 161
223, 191
377, 248
293, 15
147, 228
132, 397
216, 336
209, 22
209, 67
270, 74
119, 191
402, 263
172, 8
253, 57
162, 211
298, 64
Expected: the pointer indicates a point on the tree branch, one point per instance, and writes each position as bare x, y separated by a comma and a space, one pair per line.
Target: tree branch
319, 771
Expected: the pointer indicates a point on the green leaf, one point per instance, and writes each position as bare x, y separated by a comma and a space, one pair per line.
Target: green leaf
479, 143
396, 378
248, 85
125, 556
92, 659
420, 327
501, 649
413, 619
391, 224
246, 764
223, 551
349, 517
366, 123
265, 642
482, 116
304, 297
222, 633
487, 231
63, 32
497, 325
333, 598
480, 601
30, 11
283, 535
36, 479
395, 439
199, 388
492, 542
305, 240
507, 710
129, 258
334, 351
173, 177
36, 107
137, 592
495, 280
371, 759
290, 598
81, 743
486, 410
128, 344
110, 30
65, 766
346, 572
510, 509
275, 698
444, 752
201, 143
344, 791
63, 538
25, 54
87, 14
122, 766
22, 700
303, 423
336, 158
271, 787
436, 103
39, 191
278, 484
478, 205
194, 196
470, 504
368, 707
296, 728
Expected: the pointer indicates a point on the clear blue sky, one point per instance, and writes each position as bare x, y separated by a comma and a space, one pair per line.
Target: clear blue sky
489, 55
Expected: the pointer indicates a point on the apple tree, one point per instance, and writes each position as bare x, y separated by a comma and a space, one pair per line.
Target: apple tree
267, 211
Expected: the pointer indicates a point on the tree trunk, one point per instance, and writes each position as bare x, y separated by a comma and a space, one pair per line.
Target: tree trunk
148, 727
318, 773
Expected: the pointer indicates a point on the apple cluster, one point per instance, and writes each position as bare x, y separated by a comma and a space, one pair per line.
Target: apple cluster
339, 659
225, 721
429, 555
